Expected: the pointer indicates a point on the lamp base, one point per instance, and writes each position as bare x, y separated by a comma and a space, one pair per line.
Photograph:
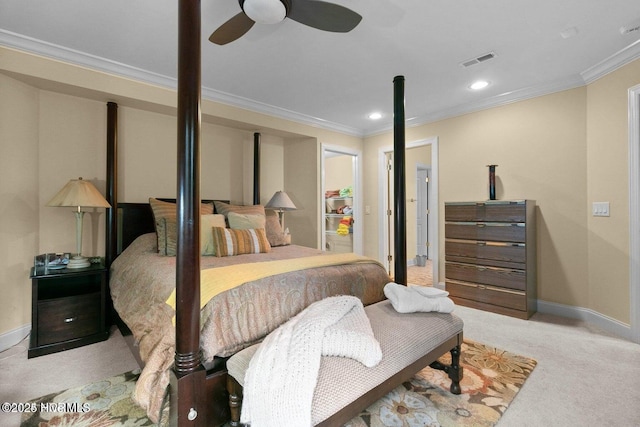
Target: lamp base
79, 262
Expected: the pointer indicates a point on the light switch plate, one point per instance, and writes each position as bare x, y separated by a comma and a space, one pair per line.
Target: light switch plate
600, 209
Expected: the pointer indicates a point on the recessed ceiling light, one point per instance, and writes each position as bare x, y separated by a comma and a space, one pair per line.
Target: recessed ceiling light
375, 116
480, 84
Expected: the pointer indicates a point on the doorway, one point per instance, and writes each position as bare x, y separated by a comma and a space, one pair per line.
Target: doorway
422, 210
341, 200
385, 196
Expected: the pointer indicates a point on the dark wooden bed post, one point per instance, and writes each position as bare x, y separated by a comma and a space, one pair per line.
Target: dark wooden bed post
111, 220
256, 168
399, 184
188, 399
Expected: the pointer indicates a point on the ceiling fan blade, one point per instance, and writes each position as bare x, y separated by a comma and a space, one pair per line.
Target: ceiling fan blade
232, 30
324, 16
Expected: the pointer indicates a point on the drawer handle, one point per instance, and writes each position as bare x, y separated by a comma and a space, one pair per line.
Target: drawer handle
69, 319
481, 225
479, 243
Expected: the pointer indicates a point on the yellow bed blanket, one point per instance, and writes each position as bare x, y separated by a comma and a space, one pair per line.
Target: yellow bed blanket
214, 281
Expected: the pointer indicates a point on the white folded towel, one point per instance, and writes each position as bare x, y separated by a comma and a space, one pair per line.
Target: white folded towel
411, 299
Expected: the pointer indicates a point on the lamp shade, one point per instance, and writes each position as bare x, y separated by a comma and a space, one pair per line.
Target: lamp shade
280, 201
78, 193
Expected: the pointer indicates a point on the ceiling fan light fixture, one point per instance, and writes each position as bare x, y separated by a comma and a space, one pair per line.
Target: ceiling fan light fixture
265, 11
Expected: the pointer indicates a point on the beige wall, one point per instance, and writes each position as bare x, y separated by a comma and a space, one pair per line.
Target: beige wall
608, 180
565, 151
19, 205
54, 129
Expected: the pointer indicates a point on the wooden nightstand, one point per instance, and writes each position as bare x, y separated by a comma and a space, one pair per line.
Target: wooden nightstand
68, 309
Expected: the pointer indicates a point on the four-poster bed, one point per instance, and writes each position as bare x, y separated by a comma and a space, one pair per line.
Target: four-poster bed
198, 396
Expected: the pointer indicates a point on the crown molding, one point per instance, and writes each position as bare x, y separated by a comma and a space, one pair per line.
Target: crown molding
61, 53
612, 63
591, 74
43, 48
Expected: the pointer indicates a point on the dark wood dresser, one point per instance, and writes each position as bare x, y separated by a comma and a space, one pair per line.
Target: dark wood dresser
68, 309
490, 255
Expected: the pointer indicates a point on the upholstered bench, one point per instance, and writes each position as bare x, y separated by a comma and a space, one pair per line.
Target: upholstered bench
345, 387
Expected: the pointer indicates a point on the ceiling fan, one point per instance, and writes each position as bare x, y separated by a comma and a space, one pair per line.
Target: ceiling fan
314, 13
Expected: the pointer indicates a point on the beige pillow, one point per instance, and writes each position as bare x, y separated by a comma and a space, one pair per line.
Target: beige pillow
168, 210
245, 221
225, 208
229, 241
274, 231
169, 230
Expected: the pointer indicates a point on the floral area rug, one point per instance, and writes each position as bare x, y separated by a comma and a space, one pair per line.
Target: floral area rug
492, 378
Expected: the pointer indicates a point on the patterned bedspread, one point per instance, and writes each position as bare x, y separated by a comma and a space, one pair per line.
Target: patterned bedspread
141, 281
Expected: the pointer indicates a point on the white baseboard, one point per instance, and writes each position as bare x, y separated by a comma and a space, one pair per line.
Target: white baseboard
600, 320
11, 338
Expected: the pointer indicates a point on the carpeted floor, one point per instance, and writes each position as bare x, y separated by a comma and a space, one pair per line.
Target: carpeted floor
492, 378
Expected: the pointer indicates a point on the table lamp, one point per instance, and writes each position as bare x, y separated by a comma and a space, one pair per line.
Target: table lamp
281, 202
79, 193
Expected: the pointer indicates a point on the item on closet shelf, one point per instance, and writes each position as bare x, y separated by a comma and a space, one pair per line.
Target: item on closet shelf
346, 210
344, 226
346, 191
331, 193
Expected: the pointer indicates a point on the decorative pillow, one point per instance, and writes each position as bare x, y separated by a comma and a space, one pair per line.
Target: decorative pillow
169, 229
206, 236
229, 241
168, 210
245, 221
225, 208
275, 233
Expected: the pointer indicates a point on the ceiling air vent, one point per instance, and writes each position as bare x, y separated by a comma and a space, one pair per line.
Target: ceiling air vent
478, 59
631, 27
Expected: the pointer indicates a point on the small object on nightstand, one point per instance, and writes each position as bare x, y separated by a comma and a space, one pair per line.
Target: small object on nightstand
68, 308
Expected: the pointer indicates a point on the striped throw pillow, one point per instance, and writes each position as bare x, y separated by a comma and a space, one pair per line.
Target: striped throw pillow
230, 241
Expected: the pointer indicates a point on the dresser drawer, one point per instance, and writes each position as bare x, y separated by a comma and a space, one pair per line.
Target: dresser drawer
507, 211
495, 276
495, 254
486, 231
63, 319
488, 294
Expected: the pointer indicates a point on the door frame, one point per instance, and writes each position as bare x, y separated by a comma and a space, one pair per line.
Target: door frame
419, 193
383, 237
357, 214
634, 211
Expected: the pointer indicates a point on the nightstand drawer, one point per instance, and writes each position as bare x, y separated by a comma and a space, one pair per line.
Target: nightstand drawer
68, 318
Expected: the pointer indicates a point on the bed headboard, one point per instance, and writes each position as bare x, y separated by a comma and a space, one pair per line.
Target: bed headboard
136, 219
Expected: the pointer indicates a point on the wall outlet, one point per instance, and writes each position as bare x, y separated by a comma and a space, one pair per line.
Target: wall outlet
600, 209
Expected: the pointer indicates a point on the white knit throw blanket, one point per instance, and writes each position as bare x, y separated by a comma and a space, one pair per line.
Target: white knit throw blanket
282, 375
